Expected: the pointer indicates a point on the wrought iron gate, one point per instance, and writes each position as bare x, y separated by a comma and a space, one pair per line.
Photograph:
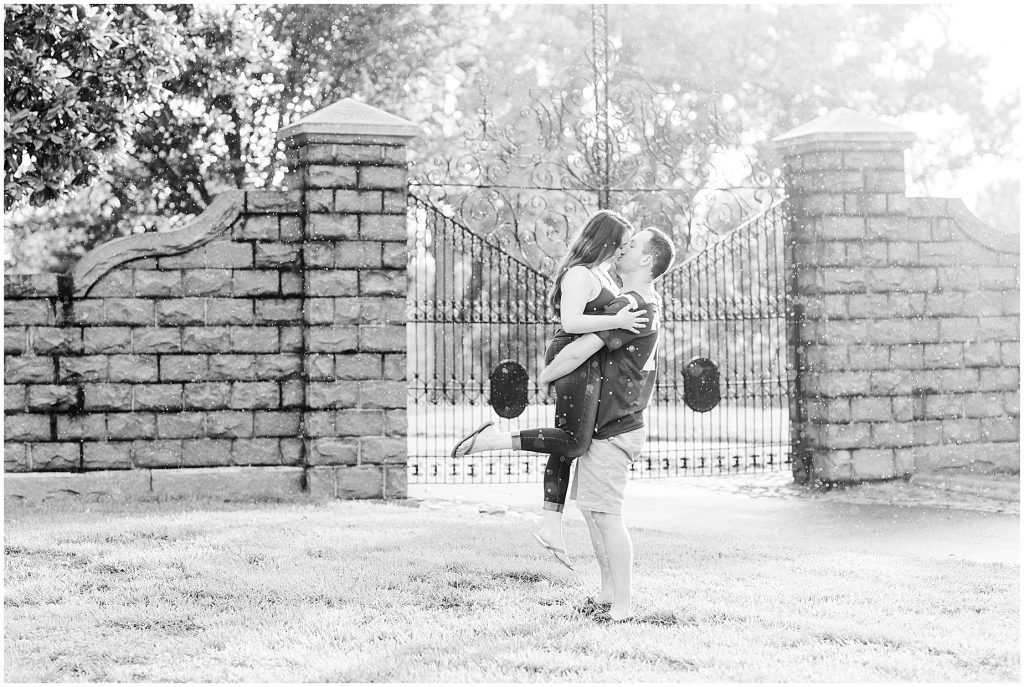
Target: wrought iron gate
727, 305
471, 305
492, 215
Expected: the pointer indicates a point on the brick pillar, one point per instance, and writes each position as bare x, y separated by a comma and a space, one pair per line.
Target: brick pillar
858, 290
348, 164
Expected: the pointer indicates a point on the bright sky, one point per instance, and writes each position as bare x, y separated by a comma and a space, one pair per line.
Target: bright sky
992, 29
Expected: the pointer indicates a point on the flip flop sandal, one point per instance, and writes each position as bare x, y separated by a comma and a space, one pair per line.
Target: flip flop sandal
558, 553
591, 607
462, 448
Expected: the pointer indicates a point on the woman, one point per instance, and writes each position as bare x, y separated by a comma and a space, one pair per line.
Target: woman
582, 289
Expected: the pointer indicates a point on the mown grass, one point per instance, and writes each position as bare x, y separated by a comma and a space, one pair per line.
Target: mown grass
350, 591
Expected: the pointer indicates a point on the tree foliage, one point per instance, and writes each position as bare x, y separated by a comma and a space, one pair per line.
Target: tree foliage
207, 122
73, 80
744, 74
766, 68
126, 118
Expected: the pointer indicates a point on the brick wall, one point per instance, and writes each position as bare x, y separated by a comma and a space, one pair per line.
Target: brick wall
909, 334
269, 332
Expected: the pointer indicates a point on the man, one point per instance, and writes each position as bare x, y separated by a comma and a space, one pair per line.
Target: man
628, 363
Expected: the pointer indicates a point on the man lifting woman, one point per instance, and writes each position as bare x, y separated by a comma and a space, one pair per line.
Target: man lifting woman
601, 362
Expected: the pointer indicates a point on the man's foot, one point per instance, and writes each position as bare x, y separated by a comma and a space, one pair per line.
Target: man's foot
609, 617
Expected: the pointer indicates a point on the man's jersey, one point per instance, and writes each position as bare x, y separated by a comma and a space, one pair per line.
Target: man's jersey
628, 364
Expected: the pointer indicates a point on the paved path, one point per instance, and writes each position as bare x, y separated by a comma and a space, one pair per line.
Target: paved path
880, 518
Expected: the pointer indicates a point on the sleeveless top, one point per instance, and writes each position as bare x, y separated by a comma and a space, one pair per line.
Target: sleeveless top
595, 306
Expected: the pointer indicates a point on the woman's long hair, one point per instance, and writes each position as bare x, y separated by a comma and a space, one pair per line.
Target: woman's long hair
599, 239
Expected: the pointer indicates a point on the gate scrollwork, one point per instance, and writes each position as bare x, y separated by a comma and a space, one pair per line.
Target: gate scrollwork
527, 178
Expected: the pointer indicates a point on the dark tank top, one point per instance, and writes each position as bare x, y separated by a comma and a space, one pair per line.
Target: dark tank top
594, 307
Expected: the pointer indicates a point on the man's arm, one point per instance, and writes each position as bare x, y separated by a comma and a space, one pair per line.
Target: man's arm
571, 357
577, 352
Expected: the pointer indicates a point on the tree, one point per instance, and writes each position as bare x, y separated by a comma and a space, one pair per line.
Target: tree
750, 72
214, 83
74, 78
242, 73
740, 74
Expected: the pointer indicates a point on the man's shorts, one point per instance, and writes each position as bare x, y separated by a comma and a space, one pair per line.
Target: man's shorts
601, 471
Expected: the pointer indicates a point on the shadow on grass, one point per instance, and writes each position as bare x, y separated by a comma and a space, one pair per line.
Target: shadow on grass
519, 576
310, 592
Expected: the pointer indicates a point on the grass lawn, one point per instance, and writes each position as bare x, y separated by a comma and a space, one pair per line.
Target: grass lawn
357, 591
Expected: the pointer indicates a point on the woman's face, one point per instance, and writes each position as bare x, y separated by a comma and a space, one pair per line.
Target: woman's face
627, 234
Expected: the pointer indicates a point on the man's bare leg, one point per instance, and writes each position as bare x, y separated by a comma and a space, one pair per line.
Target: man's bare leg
619, 555
596, 538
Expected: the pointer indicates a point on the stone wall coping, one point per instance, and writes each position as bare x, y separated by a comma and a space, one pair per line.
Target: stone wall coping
979, 232
835, 143
215, 220
349, 121
306, 138
846, 126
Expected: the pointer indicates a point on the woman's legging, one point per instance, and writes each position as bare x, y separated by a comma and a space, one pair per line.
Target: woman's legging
576, 399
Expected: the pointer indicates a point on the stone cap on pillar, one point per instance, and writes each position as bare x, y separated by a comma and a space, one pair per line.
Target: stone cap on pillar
844, 129
348, 121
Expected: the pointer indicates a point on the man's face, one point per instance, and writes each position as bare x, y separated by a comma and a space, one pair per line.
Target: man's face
631, 255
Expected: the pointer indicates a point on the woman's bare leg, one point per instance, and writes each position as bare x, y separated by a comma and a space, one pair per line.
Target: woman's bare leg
556, 489
492, 440
551, 529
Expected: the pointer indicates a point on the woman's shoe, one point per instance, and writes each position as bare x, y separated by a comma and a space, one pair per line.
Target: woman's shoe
558, 553
465, 445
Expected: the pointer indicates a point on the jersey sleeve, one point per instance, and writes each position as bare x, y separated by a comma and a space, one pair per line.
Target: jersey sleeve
617, 338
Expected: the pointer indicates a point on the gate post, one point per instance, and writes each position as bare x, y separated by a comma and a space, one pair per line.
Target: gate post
845, 179
347, 164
